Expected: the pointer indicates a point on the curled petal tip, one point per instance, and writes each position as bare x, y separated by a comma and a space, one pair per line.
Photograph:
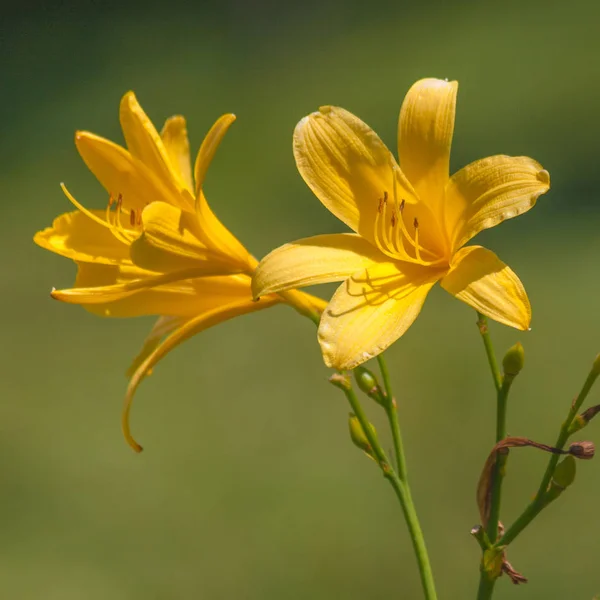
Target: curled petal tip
127, 433
543, 176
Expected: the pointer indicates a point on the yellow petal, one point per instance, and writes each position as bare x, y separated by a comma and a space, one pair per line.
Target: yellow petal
122, 174
347, 166
318, 259
175, 138
126, 291
164, 326
76, 236
491, 190
307, 304
479, 278
425, 131
96, 293
187, 330
209, 148
170, 242
371, 310
215, 235
144, 143
211, 231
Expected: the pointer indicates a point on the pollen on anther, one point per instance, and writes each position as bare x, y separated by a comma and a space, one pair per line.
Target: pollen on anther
416, 223
393, 219
402, 204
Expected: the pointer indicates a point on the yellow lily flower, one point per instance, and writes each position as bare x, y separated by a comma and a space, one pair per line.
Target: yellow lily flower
157, 248
411, 222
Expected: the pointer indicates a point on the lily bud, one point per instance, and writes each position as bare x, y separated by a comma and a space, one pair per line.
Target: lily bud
367, 382
358, 437
562, 478
580, 421
564, 474
513, 360
583, 450
341, 381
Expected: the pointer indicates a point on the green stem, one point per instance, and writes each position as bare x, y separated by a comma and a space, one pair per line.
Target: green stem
400, 486
538, 503
498, 476
489, 350
486, 587
502, 385
391, 410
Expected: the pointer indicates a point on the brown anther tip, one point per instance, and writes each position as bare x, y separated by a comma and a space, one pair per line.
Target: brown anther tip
402, 204
416, 223
132, 218
380, 207
385, 196
393, 220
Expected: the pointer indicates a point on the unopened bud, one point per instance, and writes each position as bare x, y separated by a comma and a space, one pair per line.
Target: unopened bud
583, 450
367, 382
358, 436
564, 474
580, 421
513, 360
577, 424
562, 478
341, 381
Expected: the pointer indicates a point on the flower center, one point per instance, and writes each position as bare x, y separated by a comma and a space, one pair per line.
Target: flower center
393, 236
114, 217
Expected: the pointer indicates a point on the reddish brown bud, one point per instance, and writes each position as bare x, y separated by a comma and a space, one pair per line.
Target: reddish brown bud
583, 450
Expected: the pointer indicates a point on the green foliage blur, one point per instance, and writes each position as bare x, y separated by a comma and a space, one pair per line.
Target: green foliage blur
249, 487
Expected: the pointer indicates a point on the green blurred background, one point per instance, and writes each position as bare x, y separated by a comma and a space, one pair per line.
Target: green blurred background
248, 487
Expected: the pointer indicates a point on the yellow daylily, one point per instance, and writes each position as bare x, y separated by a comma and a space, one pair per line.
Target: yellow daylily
411, 222
157, 248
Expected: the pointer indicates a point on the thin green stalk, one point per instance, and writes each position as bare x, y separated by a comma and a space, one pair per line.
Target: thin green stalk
401, 489
537, 504
502, 385
391, 409
486, 587
498, 476
489, 350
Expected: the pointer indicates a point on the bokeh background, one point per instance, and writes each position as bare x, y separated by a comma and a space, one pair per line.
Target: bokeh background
248, 487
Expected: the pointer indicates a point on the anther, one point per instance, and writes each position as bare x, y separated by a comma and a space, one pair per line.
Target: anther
416, 223
111, 200
132, 218
385, 196
402, 204
393, 220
